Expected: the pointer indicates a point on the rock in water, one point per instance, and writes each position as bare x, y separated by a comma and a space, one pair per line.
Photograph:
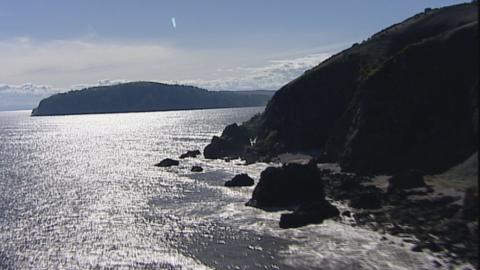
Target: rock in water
193, 153
219, 148
196, 169
231, 144
240, 180
310, 213
290, 185
168, 162
406, 180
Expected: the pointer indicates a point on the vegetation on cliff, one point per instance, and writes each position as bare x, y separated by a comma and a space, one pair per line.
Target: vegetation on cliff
146, 97
406, 98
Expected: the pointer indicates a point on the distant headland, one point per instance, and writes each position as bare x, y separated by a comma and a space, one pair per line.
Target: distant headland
146, 97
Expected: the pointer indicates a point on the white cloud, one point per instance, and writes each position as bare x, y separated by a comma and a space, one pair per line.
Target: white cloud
28, 95
272, 76
22, 40
65, 62
30, 89
23, 96
27, 89
60, 65
104, 82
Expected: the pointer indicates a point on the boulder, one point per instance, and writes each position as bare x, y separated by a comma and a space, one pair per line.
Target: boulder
168, 162
289, 185
309, 213
231, 143
240, 180
219, 148
196, 169
193, 153
406, 180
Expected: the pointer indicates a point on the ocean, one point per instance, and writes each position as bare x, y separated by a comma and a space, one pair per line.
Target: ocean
81, 192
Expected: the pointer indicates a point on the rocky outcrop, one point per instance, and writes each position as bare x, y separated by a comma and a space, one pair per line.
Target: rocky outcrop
168, 162
403, 99
240, 180
287, 186
196, 169
438, 222
192, 154
231, 144
406, 180
309, 213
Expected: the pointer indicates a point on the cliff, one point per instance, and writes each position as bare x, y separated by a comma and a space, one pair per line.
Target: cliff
406, 98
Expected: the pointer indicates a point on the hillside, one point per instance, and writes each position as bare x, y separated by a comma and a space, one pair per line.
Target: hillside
145, 97
406, 98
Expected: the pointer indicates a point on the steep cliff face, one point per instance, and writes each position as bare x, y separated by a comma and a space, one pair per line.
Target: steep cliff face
415, 111
405, 98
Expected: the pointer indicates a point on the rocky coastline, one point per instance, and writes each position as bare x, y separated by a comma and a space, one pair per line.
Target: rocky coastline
403, 134
414, 207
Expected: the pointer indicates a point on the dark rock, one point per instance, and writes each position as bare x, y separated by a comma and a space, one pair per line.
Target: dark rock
309, 213
290, 185
406, 180
346, 214
430, 245
324, 157
325, 172
349, 183
240, 180
250, 155
437, 264
192, 154
470, 204
231, 144
236, 134
367, 198
219, 148
450, 210
196, 169
168, 162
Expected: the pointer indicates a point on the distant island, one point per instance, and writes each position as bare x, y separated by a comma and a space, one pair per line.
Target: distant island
146, 97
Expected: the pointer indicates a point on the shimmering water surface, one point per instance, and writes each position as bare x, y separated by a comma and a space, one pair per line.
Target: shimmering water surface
79, 192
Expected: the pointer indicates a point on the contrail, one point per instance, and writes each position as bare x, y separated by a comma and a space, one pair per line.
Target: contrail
174, 23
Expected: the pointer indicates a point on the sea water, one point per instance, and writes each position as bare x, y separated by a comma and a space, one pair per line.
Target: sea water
81, 192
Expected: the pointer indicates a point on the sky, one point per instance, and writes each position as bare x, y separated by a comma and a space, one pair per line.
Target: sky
53, 46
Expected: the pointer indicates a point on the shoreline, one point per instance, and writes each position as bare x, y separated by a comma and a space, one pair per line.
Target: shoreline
429, 218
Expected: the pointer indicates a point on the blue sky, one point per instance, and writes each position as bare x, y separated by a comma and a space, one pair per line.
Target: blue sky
50, 46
